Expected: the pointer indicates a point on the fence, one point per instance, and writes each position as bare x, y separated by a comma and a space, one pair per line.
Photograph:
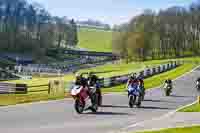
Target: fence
7, 88
104, 82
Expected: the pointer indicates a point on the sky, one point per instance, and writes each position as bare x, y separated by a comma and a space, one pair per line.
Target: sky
107, 11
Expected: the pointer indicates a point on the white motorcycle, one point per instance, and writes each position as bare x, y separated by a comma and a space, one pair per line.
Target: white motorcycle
82, 99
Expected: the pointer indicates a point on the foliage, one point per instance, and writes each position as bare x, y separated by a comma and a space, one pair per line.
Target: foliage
170, 33
29, 28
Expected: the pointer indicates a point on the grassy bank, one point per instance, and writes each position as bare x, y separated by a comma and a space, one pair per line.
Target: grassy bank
13, 99
195, 129
192, 108
95, 40
157, 80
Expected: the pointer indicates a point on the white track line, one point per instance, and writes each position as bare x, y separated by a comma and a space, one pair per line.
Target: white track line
169, 113
158, 118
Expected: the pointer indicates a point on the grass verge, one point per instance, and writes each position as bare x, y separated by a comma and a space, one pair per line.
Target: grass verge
194, 129
13, 99
192, 108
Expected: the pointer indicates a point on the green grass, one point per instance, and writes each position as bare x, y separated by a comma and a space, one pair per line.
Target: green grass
195, 129
13, 99
157, 80
192, 108
95, 40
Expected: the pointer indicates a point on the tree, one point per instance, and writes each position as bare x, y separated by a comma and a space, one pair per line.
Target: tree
72, 34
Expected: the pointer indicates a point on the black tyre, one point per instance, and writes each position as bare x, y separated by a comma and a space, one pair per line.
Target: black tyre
79, 107
139, 102
168, 92
94, 108
132, 101
99, 96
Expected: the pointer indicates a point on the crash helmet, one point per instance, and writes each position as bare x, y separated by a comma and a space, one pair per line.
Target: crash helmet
133, 76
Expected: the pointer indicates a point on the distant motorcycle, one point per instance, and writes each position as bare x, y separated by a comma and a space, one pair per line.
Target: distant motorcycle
82, 99
198, 85
168, 89
135, 97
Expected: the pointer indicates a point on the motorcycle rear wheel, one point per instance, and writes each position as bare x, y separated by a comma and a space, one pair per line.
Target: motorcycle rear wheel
94, 108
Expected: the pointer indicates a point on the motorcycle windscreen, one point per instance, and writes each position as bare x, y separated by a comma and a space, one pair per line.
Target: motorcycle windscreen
76, 90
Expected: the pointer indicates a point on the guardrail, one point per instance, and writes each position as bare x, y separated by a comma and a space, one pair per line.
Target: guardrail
146, 73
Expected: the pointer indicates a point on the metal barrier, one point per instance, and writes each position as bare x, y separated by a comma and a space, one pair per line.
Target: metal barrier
6, 88
117, 80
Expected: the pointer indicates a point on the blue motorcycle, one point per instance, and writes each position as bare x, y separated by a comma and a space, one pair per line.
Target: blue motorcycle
134, 95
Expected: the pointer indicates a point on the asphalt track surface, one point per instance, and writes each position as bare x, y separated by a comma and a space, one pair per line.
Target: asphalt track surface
115, 115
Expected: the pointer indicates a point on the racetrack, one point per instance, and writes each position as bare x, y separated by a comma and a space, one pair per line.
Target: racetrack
60, 116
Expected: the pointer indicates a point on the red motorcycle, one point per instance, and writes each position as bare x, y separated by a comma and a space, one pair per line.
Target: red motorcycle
82, 99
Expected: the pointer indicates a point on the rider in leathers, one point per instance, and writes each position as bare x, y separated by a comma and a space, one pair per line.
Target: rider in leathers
133, 79
94, 81
82, 81
141, 80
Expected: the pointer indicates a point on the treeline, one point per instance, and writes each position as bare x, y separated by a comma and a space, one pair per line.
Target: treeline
94, 23
170, 33
29, 28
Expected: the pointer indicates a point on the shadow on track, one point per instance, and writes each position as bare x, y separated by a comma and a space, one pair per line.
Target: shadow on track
150, 100
107, 113
180, 96
150, 107
159, 101
113, 106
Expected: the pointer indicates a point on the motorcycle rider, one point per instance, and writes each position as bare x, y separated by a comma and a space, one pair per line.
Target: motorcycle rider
93, 81
141, 80
198, 84
133, 80
82, 81
168, 82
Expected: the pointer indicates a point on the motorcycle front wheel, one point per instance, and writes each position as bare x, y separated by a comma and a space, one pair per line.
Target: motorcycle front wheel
167, 92
131, 101
79, 107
